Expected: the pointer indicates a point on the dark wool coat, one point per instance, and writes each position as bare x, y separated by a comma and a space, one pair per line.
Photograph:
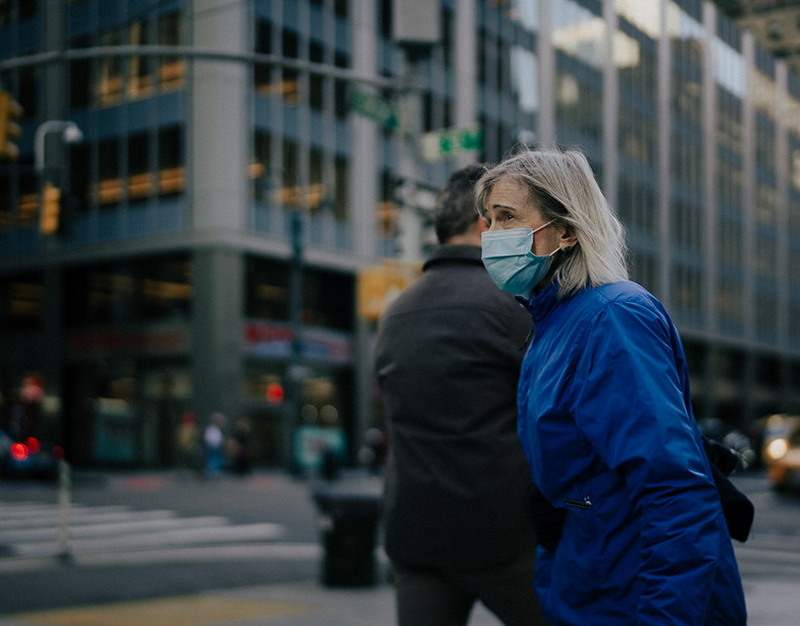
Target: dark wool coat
448, 355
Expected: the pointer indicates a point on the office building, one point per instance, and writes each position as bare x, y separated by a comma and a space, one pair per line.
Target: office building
240, 162
774, 23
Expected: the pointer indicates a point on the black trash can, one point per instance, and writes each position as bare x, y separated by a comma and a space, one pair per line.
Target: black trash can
349, 529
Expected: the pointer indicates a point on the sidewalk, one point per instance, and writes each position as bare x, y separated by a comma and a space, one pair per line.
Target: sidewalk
311, 604
296, 604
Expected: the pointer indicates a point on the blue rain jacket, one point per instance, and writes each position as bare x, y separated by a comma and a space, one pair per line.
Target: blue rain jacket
607, 427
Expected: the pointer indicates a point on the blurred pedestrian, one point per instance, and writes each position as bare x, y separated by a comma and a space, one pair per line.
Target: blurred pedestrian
372, 454
605, 410
240, 454
214, 444
457, 518
187, 436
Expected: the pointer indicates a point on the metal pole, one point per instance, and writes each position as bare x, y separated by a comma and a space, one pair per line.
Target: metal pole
71, 134
411, 119
295, 371
64, 503
323, 69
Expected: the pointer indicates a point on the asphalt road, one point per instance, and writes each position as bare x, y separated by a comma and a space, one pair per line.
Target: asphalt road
167, 537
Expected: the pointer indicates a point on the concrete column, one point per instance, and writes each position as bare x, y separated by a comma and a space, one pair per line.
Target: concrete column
219, 144
364, 174
546, 122
664, 151
466, 69
782, 172
219, 119
710, 164
364, 178
216, 331
748, 229
610, 108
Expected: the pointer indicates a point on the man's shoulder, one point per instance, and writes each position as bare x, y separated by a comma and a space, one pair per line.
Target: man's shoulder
455, 285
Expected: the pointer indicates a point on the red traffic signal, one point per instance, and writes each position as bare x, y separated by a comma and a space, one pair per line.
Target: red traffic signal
275, 393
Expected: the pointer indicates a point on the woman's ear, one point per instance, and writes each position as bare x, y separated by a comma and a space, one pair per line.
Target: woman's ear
567, 240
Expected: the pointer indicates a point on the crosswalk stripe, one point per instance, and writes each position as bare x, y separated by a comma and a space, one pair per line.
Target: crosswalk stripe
180, 554
78, 515
121, 527
33, 531
21, 512
180, 536
86, 518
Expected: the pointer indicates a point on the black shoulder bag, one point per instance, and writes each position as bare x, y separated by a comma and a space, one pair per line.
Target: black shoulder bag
739, 511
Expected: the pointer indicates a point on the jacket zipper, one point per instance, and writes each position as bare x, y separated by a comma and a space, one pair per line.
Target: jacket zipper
585, 504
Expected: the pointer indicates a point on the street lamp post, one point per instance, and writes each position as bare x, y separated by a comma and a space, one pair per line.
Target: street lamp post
69, 131
49, 194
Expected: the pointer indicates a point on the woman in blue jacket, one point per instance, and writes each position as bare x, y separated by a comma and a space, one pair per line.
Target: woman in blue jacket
604, 410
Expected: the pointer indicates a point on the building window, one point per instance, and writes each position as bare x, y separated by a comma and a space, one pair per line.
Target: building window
110, 80
328, 297
19, 200
140, 290
21, 302
162, 149
266, 289
294, 87
171, 69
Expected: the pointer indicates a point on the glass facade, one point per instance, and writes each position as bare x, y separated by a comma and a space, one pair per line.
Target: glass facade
207, 192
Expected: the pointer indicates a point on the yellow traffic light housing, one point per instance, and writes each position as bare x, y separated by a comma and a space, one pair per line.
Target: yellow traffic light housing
51, 210
10, 130
378, 285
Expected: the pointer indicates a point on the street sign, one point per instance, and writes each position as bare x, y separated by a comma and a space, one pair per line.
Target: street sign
444, 144
374, 107
416, 194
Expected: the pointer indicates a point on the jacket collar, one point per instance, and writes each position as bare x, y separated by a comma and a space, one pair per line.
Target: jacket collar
540, 304
446, 254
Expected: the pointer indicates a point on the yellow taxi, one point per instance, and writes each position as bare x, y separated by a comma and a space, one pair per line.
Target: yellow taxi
781, 451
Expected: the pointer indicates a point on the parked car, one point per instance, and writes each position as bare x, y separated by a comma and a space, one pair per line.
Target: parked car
28, 458
781, 451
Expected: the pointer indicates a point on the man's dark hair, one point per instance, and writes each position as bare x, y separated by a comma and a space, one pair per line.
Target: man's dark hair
455, 207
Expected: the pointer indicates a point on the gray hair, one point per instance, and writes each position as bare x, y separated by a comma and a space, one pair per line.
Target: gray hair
563, 187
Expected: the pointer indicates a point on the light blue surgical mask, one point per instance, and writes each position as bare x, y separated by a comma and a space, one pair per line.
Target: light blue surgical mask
508, 258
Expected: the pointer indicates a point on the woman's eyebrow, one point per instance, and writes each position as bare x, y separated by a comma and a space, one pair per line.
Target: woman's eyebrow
499, 205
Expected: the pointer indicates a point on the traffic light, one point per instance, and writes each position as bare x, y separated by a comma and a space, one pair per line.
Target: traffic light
275, 393
10, 130
50, 215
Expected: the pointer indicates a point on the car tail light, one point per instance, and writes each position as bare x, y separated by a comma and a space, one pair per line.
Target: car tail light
33, 445
19, 451
58, 453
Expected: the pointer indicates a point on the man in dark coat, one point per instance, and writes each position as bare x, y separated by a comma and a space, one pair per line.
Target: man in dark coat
448, 353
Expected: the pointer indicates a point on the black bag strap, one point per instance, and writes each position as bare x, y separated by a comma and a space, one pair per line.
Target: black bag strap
739, 511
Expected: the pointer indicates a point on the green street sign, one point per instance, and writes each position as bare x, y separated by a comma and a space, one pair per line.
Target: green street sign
374, 107
443, 144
